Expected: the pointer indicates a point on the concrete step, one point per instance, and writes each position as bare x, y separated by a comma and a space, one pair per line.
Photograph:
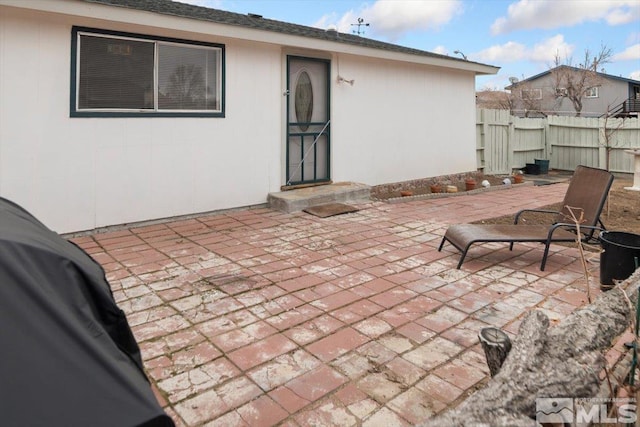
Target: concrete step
302, 198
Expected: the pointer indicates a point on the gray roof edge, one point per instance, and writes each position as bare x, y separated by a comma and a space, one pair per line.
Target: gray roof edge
257, 22
544, 73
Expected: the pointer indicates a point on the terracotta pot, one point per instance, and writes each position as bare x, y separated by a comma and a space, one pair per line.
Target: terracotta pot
518, 179
470, 184
406, 193
436, 188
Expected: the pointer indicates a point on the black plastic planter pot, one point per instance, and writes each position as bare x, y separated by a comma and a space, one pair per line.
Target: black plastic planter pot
619, 257
532, 169
543, 165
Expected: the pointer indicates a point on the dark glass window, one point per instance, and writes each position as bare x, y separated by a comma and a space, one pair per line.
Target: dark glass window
121, 74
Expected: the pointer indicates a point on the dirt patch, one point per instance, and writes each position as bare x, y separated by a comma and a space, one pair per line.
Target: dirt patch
621, 212
424, 186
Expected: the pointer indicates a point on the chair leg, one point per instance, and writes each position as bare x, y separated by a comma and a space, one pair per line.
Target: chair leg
511, 246
544, 256
464, 254
441, 244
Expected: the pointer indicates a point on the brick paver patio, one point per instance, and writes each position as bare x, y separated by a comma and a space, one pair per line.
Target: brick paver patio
260, 318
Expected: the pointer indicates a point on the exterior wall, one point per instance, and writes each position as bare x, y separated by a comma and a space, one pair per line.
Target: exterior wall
393, 124
610, 94
400, 121
82, 173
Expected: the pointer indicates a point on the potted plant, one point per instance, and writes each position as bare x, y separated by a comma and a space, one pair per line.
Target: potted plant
470, 184
518, 177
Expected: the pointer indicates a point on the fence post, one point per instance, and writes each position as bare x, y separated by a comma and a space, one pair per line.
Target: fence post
546, 142
511, 134
602, 145
488, 152
481, 157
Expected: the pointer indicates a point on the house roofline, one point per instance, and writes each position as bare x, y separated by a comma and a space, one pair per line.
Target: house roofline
276, 32
544, 73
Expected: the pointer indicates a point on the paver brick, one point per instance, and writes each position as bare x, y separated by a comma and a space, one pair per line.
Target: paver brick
337, 344
257, 353
256, 317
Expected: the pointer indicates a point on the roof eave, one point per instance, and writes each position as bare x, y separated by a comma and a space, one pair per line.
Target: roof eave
328, 42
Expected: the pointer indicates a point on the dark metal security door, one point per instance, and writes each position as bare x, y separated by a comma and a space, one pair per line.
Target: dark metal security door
308, 126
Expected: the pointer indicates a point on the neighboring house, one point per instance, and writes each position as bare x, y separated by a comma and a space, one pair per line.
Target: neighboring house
545, 94
116, 111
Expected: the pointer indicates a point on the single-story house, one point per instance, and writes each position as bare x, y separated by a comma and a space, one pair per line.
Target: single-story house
118, 111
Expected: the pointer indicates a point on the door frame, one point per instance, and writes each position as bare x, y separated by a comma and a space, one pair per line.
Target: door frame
323, 128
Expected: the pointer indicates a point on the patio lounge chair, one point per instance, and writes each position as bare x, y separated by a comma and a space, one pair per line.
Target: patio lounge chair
588, 190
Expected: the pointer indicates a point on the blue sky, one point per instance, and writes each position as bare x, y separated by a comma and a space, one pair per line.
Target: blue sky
520, 36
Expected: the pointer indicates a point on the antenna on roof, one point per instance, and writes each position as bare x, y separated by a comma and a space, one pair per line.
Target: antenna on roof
360, 23
513, 80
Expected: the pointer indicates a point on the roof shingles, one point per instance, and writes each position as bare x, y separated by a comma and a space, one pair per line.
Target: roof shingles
169, 7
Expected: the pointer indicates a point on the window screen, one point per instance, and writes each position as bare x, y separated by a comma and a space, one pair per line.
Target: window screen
129, 74
187, 78
115, 73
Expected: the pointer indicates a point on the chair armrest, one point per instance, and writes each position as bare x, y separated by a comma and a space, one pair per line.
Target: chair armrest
573, 227
515, 220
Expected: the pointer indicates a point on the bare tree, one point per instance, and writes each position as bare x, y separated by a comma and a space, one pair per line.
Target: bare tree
531, 99
610, 128
494, 99
186, 87
526, 98
574, 81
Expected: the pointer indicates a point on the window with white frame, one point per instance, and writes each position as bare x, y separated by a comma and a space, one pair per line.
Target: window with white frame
591, 92
123, 74
531, 93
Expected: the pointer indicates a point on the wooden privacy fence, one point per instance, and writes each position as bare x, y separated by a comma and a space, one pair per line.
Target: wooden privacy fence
505, 142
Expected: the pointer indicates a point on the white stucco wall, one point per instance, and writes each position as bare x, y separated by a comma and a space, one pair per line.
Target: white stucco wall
399, 121
82, 173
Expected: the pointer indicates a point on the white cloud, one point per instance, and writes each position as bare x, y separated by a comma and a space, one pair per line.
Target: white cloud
547, 50
548, 14
635, 75
543, 52
391, 19
441, 50
627, 12
394, 18
629, 54
492, 82
215, 4
633, 38
508, 52
342, 23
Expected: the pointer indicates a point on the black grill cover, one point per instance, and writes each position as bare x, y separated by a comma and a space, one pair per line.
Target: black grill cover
67, 354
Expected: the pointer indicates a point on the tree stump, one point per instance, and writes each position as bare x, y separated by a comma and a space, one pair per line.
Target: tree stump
560, 361
496, 345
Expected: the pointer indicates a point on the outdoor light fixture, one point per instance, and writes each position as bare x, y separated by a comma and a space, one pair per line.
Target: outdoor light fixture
342, 79
457, 52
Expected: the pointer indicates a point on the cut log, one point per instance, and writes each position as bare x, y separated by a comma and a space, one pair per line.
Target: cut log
496, 345
561, 361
